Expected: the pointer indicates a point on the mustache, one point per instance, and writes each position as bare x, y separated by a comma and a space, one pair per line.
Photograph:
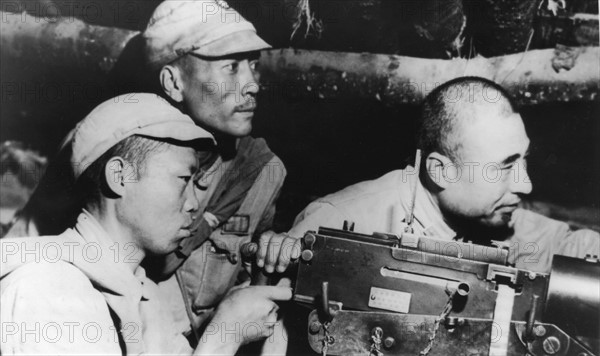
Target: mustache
511, 203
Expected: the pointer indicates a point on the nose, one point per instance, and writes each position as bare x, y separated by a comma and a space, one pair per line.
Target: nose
249, 79
521, 183
191, 200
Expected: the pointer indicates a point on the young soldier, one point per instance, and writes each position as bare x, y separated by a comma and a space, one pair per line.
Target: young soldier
138, 166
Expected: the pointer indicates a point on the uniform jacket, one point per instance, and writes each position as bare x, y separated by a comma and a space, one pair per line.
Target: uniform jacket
380, 205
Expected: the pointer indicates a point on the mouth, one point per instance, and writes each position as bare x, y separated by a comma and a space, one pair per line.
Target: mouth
187, 230
249, 107
507, 208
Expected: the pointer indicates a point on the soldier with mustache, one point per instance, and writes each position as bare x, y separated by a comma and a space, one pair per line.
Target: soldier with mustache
204, 55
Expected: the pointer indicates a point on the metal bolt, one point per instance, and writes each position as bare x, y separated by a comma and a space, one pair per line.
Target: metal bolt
463, 289
315, 327
539, 330
551, 345
389, 342
307, 255
377, 332
532, 276
451, 322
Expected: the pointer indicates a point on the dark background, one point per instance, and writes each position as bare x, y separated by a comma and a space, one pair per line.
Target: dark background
329, 144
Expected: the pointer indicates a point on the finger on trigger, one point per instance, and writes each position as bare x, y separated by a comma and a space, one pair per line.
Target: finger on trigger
276, 293
284, 282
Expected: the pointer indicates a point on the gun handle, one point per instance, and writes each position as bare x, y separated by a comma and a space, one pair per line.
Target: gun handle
259, 277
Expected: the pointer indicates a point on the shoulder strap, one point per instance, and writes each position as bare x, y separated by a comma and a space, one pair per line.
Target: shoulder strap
251, 156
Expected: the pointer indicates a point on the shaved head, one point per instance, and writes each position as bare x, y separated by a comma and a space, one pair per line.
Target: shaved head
475, 150
454, 104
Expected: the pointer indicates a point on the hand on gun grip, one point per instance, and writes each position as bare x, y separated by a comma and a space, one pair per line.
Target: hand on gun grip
276, 251
245, 304
273, 253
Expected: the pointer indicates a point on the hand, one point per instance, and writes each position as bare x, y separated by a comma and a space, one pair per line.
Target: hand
249, 311
275, 251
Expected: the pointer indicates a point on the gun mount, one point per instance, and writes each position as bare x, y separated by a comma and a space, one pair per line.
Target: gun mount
385, 294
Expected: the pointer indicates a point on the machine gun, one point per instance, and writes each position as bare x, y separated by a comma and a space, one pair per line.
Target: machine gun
385, 294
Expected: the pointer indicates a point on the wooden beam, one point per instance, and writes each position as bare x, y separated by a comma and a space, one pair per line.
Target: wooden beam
532, 77
394, 80
576, 29
57, 42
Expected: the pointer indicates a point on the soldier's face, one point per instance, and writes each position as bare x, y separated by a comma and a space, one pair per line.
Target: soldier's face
487, 185
160, 205
220, 95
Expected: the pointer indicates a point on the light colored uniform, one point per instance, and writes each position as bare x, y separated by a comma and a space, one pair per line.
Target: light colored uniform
76, 294
379, 205
210, 271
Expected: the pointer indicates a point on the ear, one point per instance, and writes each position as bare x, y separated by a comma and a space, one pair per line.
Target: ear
171, 82
439, 168
115, 175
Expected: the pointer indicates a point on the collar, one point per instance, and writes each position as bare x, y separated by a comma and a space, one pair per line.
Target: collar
427, 214
105, 261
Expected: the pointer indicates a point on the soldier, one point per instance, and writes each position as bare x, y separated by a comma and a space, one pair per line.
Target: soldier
204, 55
138, 168
472, 178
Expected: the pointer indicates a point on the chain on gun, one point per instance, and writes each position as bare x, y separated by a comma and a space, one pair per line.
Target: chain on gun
376, 336
327, 339
443, 315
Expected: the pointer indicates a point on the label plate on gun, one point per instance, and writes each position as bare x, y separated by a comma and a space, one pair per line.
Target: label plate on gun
389, 300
